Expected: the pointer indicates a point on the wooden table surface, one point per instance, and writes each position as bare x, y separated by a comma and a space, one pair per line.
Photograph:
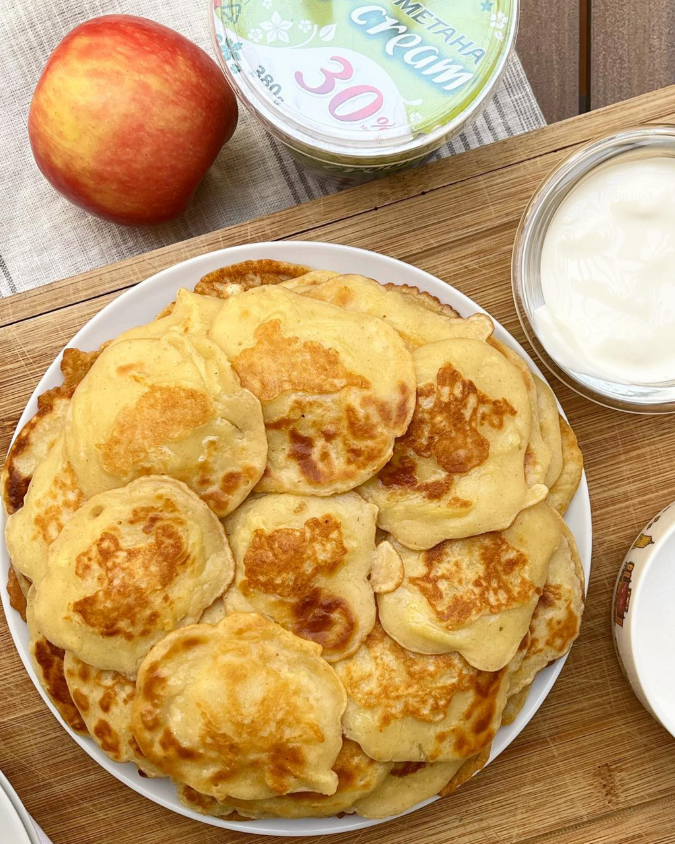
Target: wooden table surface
586, 54
592, 766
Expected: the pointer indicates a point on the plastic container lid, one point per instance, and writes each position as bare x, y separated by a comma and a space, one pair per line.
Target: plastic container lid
364, 80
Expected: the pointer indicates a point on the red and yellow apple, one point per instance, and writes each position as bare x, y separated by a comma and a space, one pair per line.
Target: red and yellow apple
127, 117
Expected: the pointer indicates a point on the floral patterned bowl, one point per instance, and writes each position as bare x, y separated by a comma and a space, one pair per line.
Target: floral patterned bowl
643, 617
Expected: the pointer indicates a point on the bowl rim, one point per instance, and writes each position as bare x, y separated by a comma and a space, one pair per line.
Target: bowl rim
555, 186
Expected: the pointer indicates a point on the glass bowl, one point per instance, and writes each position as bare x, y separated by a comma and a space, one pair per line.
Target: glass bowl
637, 142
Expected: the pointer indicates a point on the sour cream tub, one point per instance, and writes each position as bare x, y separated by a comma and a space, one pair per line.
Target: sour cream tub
643, 621
359, 90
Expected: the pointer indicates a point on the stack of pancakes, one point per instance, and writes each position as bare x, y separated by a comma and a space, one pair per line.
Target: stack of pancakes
296, 544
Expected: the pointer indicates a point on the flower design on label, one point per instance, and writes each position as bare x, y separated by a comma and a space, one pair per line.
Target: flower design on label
498, 22
415, 117
255, 35
267, 4
276, 28
486, 6
305, 25
230, 52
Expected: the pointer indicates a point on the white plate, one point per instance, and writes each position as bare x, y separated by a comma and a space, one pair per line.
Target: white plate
13, 830
25, 818
141, 304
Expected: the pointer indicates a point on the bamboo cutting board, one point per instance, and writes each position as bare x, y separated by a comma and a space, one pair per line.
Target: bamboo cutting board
592, 766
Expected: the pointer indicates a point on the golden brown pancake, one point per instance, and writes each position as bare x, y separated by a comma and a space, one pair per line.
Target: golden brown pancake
563, 490
406, 785
47, 661
309, 280
409, 783
39, 434
236, 278
170, 406
215, 612
538, 454
358, 776
420, 298
404, 706
557, 618
130, 565
336, 387
514, 704
405, 309
190, 314
468, 769
52, 498
240, 709
304, 562
459, 470
17, 589
477, 595
550, 429
103, 699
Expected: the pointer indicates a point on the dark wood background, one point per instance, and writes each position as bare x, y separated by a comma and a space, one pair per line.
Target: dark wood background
585, 54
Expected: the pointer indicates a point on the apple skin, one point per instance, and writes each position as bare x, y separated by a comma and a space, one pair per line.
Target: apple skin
127, 117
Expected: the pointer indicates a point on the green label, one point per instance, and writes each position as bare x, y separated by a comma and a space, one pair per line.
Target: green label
366, 74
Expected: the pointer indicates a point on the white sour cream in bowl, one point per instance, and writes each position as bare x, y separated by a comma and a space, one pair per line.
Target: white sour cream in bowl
594, 271
608, 274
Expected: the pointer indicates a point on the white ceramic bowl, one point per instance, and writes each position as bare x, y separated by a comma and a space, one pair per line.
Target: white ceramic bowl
643, 620
140, 305
16, 827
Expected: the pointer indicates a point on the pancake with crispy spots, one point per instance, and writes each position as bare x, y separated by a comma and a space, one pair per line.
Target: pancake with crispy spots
53, 496
459, 470
240, 709
336, 387
406, 310
404, 706
170, 406
238, 278
556, 621
304, 562
48, 661
38, 435
564, 489
476, 595
130, 565
550, 429
538, 455
103, 699
190, 314
358, 776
